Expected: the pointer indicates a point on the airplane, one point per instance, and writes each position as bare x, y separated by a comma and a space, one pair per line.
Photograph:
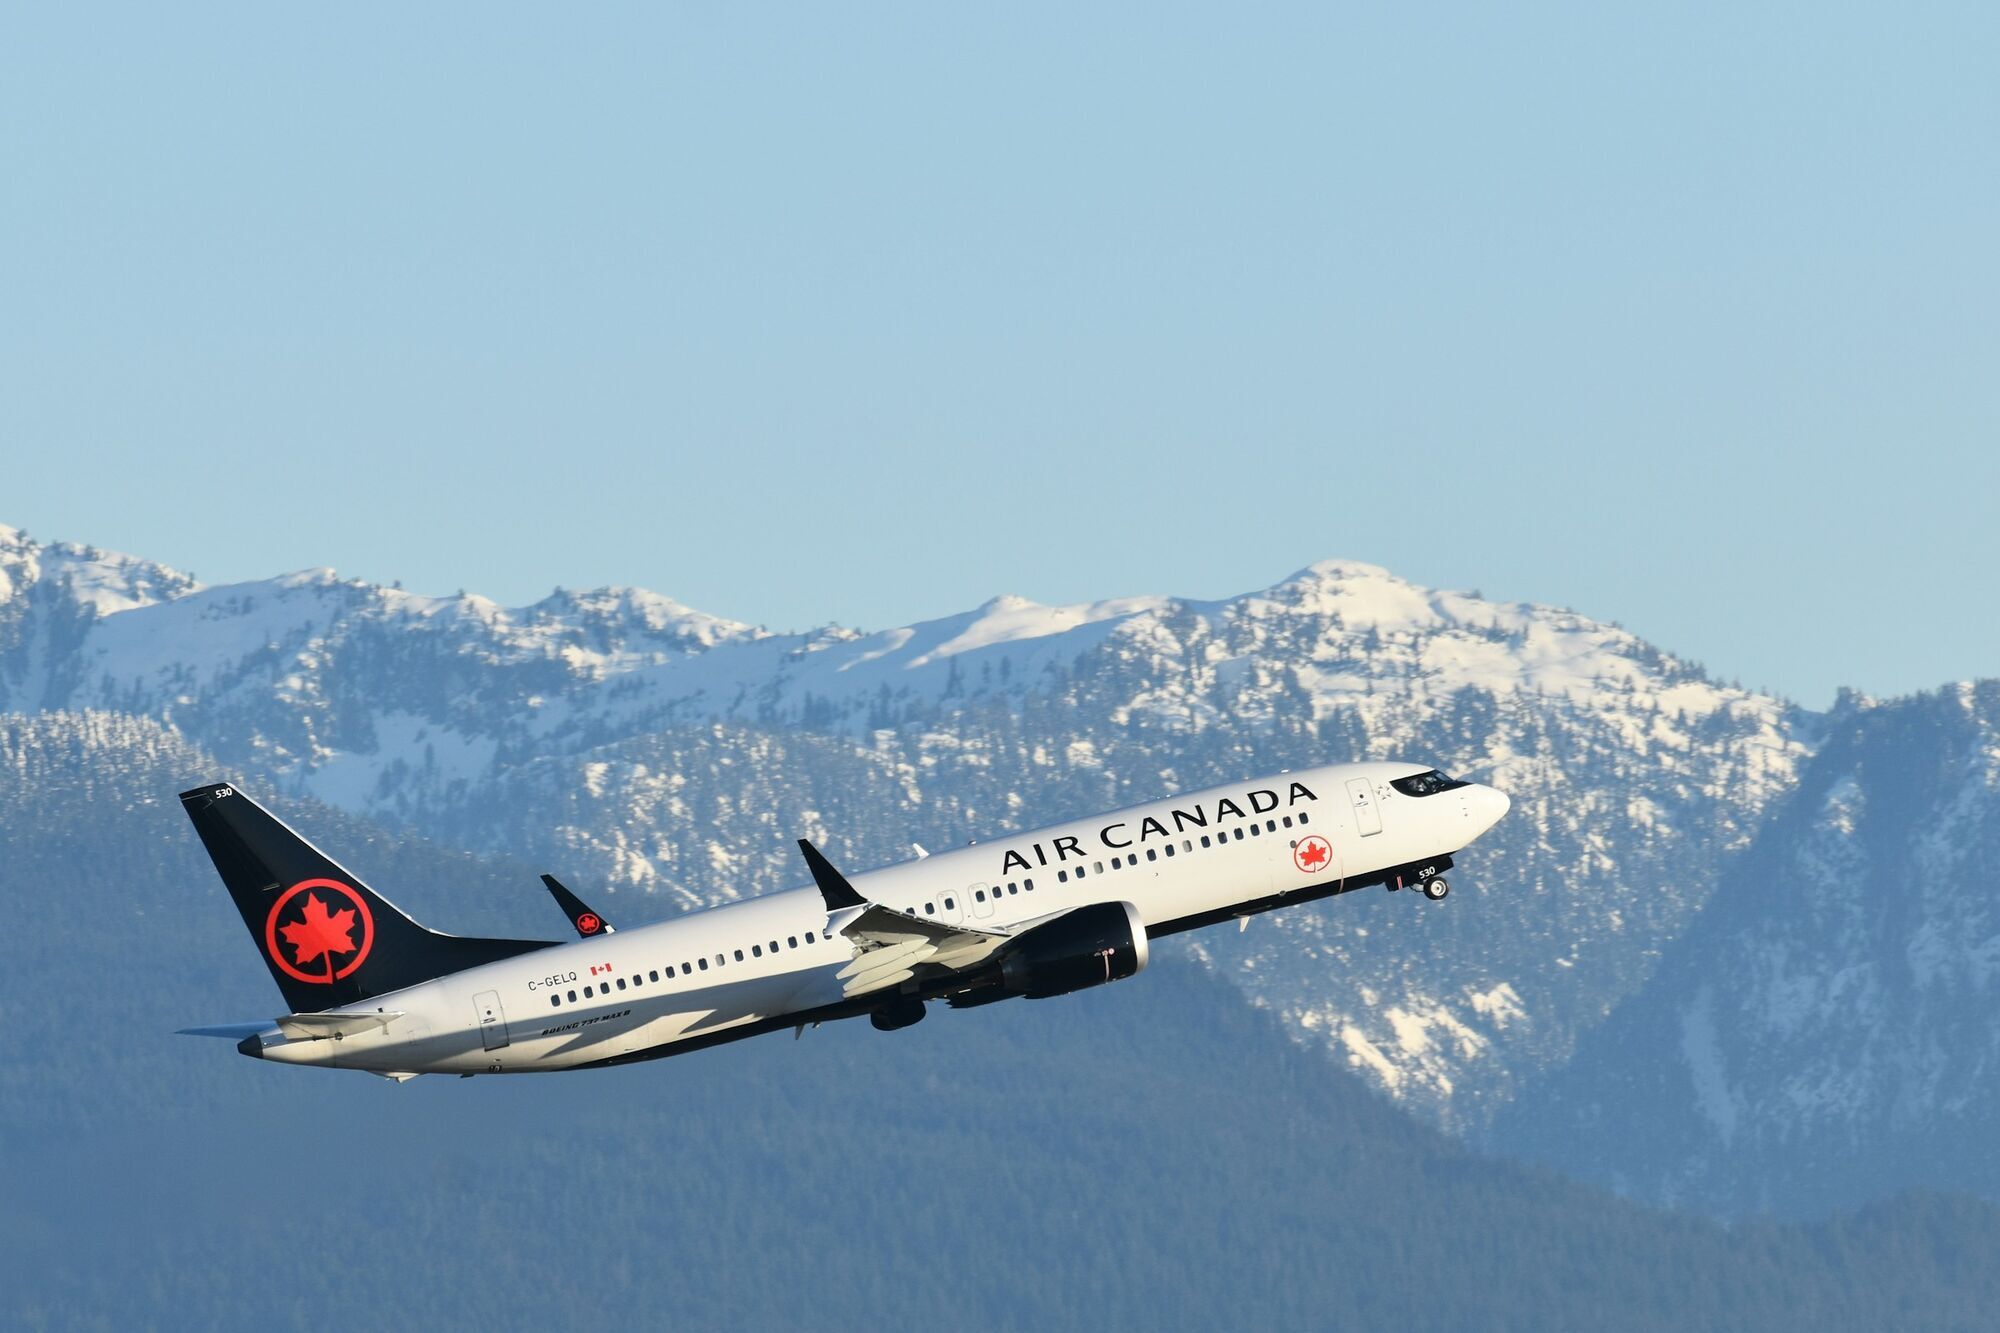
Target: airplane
1036, 914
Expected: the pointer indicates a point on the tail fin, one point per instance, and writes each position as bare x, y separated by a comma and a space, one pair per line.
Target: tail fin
328, 939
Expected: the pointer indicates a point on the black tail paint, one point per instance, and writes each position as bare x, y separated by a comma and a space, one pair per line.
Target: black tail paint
328, 939
586, 921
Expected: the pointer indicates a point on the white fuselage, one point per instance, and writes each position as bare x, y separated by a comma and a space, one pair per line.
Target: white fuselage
750, 966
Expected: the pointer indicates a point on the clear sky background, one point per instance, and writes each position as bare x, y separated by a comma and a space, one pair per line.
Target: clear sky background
1684, 316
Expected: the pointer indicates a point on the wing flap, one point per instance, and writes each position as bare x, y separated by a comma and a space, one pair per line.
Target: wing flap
877, 969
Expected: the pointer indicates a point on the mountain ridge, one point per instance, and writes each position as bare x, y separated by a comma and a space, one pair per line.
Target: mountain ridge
641, 746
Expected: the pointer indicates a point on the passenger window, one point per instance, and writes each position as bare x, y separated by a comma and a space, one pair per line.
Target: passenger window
655, 976
1254, 830
739, 955
586, 993
1098, 867
1187, 844
1028, 884
1239, 835
1152, 854
979, 895
1270, 826
555, 1001
1302, 816
1204, 840
809, 937
1062, 876
930, 909
949, 905
792, 941
1288, 821
1170, 849
756, 951
621, 983
702, 963
572, 997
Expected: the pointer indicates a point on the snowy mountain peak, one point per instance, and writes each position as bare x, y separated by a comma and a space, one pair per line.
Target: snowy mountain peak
1337, 571
97, 581
654, 611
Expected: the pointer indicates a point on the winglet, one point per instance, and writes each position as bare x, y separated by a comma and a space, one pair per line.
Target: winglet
587, 922
833, 886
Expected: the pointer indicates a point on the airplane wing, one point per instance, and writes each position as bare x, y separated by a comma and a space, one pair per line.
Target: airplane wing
890, 945
586, 922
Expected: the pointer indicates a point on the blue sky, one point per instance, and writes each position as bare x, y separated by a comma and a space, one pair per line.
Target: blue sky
1683, 316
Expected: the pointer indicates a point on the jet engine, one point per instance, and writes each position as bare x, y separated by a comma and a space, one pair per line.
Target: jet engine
1084, 947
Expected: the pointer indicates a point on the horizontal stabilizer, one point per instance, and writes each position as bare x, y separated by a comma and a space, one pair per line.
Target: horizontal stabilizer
312, 1027
232, 1031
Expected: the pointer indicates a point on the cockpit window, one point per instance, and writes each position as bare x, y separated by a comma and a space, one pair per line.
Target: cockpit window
1427, 784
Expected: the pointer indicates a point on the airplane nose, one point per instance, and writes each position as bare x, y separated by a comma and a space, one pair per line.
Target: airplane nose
1493, 805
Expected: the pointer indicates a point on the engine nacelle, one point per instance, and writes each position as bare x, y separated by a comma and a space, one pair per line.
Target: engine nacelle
1085, 947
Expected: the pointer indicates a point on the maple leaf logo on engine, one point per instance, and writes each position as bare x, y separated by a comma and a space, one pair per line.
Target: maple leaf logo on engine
1312, 854
322, 940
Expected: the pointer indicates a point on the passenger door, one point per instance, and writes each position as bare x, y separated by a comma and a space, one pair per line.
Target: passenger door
1367, 815
492, 1019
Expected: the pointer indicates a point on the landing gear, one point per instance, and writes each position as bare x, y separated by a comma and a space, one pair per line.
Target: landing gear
1435, 889
900, 1014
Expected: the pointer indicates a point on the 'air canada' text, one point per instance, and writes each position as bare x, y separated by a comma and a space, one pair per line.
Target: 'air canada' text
1118, 836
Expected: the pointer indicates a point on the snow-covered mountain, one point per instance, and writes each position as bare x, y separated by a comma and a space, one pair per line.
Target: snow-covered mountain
643, 746
1825, 1032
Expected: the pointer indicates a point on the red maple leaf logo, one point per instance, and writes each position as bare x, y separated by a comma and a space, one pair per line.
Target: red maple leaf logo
321, 933
1312, 854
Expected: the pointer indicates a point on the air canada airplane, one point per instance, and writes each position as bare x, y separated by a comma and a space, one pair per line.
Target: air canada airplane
1033, 914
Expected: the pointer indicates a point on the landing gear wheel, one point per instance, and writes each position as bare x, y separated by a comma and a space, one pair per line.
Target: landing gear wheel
1435, 889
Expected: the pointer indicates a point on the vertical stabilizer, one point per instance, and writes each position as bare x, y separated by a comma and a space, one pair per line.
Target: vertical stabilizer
328, 938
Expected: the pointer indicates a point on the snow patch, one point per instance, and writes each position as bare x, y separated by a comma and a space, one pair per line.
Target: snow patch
1499, 1006
1704, 1061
